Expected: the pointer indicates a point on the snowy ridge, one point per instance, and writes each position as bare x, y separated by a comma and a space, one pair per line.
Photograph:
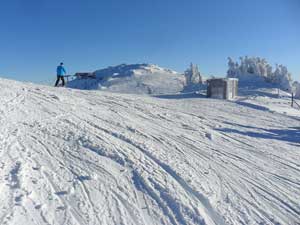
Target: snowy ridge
89, 157
134, 79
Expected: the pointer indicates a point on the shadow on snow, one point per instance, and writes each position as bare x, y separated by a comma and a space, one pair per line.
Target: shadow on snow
181, 96
252, 106
292, 134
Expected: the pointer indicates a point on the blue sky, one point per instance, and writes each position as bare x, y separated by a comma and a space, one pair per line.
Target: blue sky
35, 35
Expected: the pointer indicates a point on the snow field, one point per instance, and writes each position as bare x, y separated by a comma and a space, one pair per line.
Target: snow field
87, 157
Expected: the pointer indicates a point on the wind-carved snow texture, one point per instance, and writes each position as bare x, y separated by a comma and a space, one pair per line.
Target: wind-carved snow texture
84, 157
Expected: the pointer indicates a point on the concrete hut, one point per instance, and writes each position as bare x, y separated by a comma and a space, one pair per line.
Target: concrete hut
222, 88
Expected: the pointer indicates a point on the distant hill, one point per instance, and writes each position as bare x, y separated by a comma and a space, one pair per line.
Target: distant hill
134, 79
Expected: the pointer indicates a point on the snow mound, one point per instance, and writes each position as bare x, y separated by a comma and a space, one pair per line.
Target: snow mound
76, 157
136, 78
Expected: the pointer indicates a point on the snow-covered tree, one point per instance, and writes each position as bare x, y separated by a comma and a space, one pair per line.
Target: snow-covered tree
232, 71
192, 75
296, 86
255, 66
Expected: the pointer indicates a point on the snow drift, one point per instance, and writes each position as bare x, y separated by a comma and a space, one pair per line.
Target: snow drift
136, 78
90, 157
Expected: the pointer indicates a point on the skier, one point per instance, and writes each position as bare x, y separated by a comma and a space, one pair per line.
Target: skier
60, 72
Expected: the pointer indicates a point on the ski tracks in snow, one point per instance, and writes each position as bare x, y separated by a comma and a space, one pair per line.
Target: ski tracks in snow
72, 157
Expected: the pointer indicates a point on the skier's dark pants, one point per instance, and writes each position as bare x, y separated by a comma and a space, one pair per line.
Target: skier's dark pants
60, 78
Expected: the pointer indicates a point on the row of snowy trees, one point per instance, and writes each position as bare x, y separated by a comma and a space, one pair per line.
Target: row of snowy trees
247, 68
255, 66
192, 75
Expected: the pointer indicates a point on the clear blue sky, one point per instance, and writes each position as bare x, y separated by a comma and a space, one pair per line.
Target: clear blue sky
35, 35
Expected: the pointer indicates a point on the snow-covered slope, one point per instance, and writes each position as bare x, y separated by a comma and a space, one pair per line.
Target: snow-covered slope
90, 157
136, 78
271, 99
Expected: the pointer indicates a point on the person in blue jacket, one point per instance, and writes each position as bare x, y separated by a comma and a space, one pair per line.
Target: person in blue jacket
60, 72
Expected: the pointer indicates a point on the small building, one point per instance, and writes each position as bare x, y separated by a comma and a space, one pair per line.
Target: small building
222, 88
85, 75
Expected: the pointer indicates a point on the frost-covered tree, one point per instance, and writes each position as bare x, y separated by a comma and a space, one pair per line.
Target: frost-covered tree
192, 75
255, 66
296, 86
282, 77
232, 71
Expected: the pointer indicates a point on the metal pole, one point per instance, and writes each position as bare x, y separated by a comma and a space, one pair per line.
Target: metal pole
292, 99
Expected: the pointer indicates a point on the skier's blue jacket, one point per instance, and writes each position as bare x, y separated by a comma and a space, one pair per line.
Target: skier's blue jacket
60, 71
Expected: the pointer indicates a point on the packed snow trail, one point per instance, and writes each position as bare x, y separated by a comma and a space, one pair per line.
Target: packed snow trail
88, 157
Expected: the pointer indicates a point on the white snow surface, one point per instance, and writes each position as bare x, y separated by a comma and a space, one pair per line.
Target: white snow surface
88, 157
134, 79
